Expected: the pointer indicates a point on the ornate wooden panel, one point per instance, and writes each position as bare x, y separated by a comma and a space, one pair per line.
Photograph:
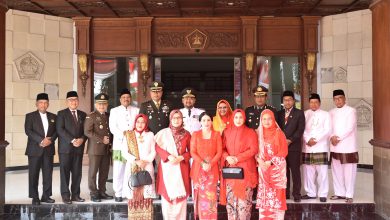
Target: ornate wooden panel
222, 36
82, 35
279, 36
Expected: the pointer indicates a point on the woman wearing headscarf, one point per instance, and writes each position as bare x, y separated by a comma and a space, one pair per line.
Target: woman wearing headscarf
223, 116
240, 145
271, 192
173, 178
206, 151
139, 156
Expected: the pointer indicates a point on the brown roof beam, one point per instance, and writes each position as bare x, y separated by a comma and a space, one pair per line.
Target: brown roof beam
315, 5
109, 6
146, 8
75, 7
350, 6
41, 8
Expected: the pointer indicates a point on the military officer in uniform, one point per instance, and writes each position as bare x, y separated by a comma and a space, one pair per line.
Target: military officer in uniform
156, 109
253, 112
99, 144
190, 113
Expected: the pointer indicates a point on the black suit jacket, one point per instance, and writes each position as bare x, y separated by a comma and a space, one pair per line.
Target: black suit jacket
294, 128
67, 130
35, 132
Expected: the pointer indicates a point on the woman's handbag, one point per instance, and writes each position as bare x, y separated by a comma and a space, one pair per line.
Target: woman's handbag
140, 178
233, 173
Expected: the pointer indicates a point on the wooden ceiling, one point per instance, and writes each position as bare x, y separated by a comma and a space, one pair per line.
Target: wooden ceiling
187, 8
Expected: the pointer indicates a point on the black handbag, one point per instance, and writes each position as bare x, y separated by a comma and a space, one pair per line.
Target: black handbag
140, 178
233, 173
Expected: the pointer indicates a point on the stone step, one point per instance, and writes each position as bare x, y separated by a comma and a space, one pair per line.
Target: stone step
119, 211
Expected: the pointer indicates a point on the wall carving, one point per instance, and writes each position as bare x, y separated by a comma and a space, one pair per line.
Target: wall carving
29, 66
170, 39
224, 39
340, 75
216, 40
364, 115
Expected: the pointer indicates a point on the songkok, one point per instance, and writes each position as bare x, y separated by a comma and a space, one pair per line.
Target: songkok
72, 94
315, 96
125, 91
259, 90
42, 96
338, 92
288, 93
188, 92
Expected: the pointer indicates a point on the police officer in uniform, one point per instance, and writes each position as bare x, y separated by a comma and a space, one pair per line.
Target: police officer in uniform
253, 112
156, 109
190, 113
99, 144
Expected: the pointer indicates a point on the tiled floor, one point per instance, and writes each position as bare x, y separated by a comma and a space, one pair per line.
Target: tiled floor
17, 187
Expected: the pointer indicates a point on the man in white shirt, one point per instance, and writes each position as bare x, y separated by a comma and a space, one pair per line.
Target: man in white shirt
315, 150
121, 119
190, 113
343, 148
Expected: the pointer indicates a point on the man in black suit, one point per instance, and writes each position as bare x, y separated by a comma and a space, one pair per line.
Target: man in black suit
292, 121
40, 127
70, 129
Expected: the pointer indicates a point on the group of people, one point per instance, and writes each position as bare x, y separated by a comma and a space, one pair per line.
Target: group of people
189, 148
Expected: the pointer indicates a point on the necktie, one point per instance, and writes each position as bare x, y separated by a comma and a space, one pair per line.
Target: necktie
286, 116
158, 105
74, 117
189, 112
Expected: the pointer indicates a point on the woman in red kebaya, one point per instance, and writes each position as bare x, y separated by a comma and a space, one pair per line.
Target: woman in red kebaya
240, 145
271, 192
206, 151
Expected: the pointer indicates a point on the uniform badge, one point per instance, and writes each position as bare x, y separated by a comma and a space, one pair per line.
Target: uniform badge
101, 126
251, 113
150, 117
102, 97
165, 109
250, 120
155, 84
52, 121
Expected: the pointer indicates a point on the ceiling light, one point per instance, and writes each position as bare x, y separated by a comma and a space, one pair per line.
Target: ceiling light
230, 3
159, 3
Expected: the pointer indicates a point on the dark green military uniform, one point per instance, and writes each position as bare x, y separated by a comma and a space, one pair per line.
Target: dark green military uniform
158, 117
95, 128
253, 112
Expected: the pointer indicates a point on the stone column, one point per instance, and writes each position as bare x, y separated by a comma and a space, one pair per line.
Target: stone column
3, 143
381, 103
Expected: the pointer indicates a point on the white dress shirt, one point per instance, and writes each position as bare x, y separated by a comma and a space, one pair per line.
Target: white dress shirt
317, 126
191, 122
344, 125
45, 122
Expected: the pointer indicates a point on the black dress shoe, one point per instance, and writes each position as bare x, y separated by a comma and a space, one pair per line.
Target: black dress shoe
48, 200
297, 199
308, 197
77, 199
36, 201
95, 199
66, 200
118, 199
322, 199
105, 196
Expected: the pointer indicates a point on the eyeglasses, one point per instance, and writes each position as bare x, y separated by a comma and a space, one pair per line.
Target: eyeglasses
222, 107
176, 118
